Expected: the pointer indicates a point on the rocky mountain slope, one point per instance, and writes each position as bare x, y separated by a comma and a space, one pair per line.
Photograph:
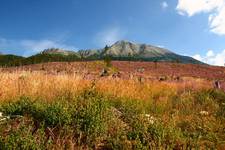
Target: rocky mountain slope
125, 50
121, 50
146, 52
57, 51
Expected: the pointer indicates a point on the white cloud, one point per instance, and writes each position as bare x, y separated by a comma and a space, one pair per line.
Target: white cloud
217, 22
212, 58
215, 8
164, 5
161, 46
30, 47
33, 46
192, 7
109, 36
210, 53
198, 57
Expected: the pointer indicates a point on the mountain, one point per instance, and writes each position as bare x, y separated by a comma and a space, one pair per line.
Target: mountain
121, 50
58, 51
125, 50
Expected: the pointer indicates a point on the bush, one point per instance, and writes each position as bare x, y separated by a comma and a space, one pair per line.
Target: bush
21, 138
53, 114
91, 115
21, 107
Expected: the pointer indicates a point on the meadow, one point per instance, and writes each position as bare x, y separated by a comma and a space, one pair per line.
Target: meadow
67, 111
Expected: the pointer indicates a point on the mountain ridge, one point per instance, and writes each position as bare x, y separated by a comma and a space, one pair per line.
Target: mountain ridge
120, 50
128, 50
57, 51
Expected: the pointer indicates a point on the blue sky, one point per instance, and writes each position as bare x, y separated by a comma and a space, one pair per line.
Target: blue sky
189, 27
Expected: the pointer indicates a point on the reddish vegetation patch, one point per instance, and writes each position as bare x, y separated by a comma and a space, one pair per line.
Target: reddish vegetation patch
173, 69
148, 70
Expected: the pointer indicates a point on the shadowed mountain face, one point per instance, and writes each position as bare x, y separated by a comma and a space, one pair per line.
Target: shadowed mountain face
121, 50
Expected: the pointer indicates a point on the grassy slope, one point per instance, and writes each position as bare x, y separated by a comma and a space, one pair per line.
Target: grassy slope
70, 112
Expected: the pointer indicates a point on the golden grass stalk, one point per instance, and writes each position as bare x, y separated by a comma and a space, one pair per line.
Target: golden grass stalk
49, 87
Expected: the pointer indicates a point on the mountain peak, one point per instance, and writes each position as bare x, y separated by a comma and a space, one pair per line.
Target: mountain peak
57, 51
125, 48
123, 42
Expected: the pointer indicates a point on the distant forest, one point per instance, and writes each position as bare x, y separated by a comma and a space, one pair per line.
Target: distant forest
12, 60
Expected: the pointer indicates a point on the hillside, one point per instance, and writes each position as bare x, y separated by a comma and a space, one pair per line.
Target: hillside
10, 60
121, 50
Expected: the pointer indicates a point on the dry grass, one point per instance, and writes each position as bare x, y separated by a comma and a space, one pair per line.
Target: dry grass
38, 85
48, 87
149, 89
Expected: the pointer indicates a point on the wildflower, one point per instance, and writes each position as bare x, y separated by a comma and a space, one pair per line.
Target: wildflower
204, 113
3, 119
149, 118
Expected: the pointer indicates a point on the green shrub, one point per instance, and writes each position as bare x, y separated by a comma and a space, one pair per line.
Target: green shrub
91, 115
22, 138
219, 97
202, 97
53, 114
21, 107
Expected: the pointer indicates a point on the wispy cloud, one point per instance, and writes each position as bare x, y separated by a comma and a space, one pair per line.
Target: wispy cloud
109, 36
215, 8
212, 58
161, 46
35, 46
30, 47
164, 5
3, 42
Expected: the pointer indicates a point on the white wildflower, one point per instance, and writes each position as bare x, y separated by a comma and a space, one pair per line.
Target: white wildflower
3, 119
149, 118
204, 113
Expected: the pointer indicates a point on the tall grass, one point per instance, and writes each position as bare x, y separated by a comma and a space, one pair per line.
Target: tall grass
39, 85
46, 86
